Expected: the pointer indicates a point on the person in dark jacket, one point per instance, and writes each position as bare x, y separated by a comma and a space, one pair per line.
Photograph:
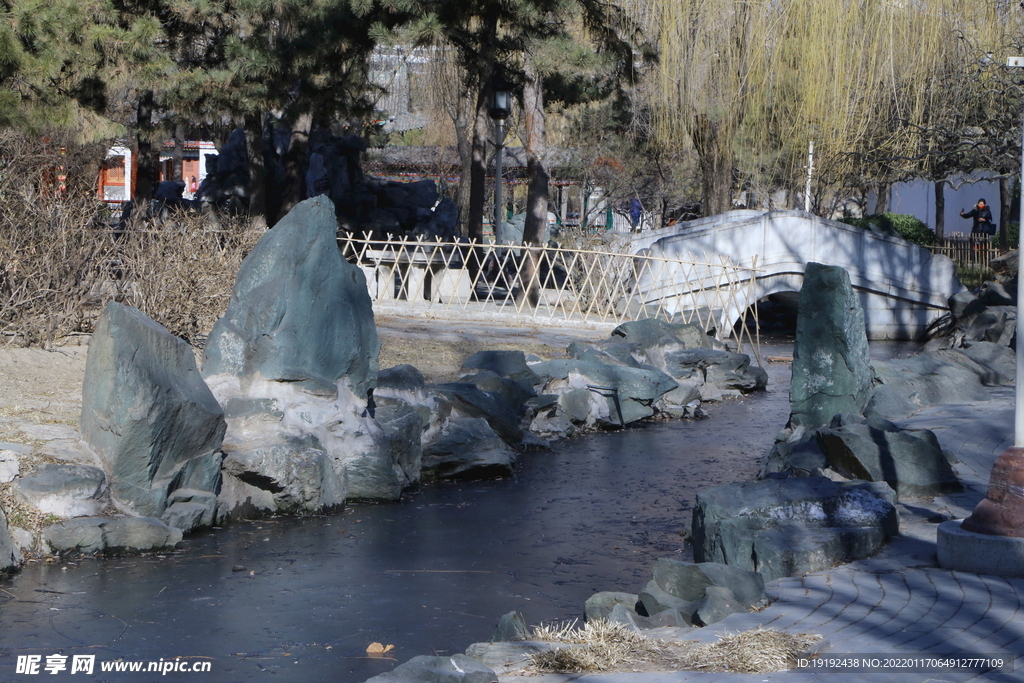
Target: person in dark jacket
982, 217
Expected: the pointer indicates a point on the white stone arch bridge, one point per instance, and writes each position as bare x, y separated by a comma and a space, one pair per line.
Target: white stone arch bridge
902, 287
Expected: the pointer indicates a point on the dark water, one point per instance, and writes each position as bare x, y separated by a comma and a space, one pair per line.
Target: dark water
300, 600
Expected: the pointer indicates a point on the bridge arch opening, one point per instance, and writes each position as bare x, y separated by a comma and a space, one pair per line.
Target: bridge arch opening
776, 316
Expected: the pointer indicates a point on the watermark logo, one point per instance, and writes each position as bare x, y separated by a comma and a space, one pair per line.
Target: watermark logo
30, 665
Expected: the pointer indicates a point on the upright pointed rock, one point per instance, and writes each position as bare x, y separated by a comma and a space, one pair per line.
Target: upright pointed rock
148, 415
831, 366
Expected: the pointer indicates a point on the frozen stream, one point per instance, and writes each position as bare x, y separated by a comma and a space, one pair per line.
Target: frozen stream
302, 598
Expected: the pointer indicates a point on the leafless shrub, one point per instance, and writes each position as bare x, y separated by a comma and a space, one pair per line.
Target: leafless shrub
62, 258
180, 271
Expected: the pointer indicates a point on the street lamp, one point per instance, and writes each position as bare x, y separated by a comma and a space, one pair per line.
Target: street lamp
501, 109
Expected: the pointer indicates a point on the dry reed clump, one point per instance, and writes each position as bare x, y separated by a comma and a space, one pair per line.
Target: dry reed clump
605, 646
63, 256
600, 645
752, 652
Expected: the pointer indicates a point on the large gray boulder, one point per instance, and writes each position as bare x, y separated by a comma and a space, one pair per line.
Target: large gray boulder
147, 413
299, 312
654, 599
296, 472
470, 401
427, 669
717, 604
1000, 361
82, 534
63, 490
911, 462
101, 534
600, 605
616, 395
466, 448
294, 361
690, 581
10, 557
510, 364
653, 331
785, 527
905, 385
132, 534
831, 367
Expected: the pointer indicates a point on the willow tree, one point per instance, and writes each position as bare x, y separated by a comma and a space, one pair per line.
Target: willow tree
764, 77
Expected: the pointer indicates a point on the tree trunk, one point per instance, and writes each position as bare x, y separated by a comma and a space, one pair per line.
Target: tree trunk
1005, 212
147, 157
716, 165
257, 170
535, 231
940, 209
178, 153
882, 201
464, 120
478, 168
481, 132
295, 160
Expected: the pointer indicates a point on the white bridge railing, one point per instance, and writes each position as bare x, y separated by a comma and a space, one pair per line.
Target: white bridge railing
585, 285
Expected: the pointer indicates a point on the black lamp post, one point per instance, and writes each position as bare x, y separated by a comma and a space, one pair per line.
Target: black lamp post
501, 109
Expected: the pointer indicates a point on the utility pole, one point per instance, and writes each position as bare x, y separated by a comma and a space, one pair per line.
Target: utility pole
810, 172
1018, 416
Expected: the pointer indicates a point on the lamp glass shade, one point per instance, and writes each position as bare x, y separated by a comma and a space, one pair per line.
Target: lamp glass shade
501, 102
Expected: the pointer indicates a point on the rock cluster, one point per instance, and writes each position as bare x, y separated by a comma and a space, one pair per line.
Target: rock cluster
682, 594
469, 427
842, 403
646, 366
290, 413
911, 462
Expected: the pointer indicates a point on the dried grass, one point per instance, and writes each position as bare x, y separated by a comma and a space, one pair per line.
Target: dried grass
600, 645
752, 652
603, 646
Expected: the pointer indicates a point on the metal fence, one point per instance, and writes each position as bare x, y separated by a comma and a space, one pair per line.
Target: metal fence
557, 284
969, 251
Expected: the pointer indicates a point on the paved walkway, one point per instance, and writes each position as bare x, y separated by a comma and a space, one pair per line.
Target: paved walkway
898, 603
